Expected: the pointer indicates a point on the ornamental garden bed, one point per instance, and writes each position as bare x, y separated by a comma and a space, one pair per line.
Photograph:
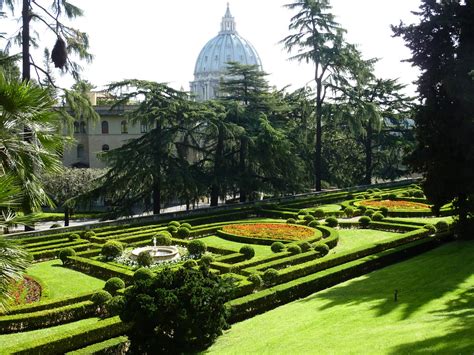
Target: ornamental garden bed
395, 204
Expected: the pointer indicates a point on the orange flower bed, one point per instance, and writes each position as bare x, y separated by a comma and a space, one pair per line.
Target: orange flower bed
270, 231
405, 205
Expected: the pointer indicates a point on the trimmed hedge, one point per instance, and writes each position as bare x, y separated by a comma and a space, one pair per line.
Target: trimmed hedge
99, 269
115, 345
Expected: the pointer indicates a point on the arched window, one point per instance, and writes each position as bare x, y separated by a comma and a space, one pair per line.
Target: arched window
76, 127
124, 127
143, 127
105, 127
83, 127
105, 148
80, 151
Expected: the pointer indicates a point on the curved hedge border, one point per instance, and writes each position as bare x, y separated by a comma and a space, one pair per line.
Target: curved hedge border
116, 345
99, 269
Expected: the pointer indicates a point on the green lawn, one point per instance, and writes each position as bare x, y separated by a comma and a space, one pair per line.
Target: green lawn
434, 313
215, 241
62, 282
355, 238
426, 220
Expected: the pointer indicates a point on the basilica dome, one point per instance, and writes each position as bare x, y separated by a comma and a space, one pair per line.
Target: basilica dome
227, 46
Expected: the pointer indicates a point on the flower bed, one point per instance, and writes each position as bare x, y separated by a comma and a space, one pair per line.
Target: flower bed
25, 291
279, 231
394, 204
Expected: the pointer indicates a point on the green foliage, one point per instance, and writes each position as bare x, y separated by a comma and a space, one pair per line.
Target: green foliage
142, 274
291, 221
162, 238
319, 213
144, 259
206, 260
349, 211
112, 249
113, 285
115, 305
322, 249
432, 229
369, 212
65, 253
377, 216
332, 221
101, 297
308, 218
172, 229
442, 226
305, 246
190, 263
73, 236
183, 232
174, 223
362, 208
270, 277
176, 311
294, 249
186, 225
197, 247
384, 211
89, 234
248, 251
313, 224
364, 221
277, 247
256, 280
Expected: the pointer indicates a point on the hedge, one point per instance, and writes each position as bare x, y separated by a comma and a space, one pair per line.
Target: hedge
99, 269
52, 253
115, 345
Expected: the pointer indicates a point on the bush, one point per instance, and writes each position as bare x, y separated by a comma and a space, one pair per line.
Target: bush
277, 247
174, 223
197, 247
113, 285
294, 249
112, 249
55, 225
349, 212
144, 259
115, 305
362, 208
305, 246
73, 236
322, 249
172, 229
186, 225
308, 218
291, 221
430, 227
65, 253
183, 232
162, 238
442, 226
384, 211
313, 224
256, 280
206, 260
418, 194
369, 212
270, 277
89, 234
143, 274
364, 221
319, 213
377, 216
332, 221
101, 297
392, 196
190, 263
303, 213
248, 251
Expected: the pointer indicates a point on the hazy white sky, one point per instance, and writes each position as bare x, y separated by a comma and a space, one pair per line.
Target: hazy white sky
160, 40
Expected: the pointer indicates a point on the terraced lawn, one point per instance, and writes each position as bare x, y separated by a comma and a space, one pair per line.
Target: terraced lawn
355, 238
215, 241
434, 313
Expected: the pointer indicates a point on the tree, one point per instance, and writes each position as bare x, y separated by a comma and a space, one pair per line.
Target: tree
176, 311
319, 39
442, 46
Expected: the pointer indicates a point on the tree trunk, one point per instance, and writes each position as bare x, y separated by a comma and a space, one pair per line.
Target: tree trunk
25, 40
66, 216
243, 169
368, 157
215, 188
317, 157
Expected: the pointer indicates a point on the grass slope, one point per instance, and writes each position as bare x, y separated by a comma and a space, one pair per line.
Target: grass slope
215, 241
355, 238
434, 313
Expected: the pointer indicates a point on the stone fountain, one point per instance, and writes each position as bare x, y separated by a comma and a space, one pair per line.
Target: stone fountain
158, 253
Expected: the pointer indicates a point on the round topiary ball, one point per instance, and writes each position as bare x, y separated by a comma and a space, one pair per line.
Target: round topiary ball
369, 212
64, 253
270, 277
89, 234
291, 221
144, 259
384, 211
142, 274
322, 249
248, 251
308, 218
294, 249
73, 236
377, 216
349, 211
186, 225
418, 194
362, 208
431, 228
364, 221
302, 213
174, 223
256, 280
332, 221
184, 232
442, 226
277, 247
113, 285
112, 249
197, 247
313, 224
190, 263
318, 213
305, 246
101, 297
172, 229
162, 238
206, 260
115, 305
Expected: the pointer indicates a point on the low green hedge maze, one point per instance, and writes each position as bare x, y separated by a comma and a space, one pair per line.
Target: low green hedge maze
299, 273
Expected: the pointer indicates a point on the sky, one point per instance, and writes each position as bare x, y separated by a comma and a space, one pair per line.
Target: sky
160, 40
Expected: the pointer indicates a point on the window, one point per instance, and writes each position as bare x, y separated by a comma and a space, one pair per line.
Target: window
76, 127
105, 148
143, 127
124, 127
105, 127
83, 127
80, 151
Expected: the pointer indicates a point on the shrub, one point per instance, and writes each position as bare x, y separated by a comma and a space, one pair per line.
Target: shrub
319, 213
162, 239
89, 234
291, 221
256, 280
294, 249
115, 305
197, 247
349, 212
431, 228
369, 212
65, 253
322, 249
308, 218
384, 211
303, 213
174, 223
270, 277
377, 216
112, 249
113, 285
362, 208
305, 246
206, 260
332, 221
183, 232
277, 247
364, 221
392, 196
248, 251
172, 229
55, 225
442, 226
142, 274
101, 297
418, 194
190, 263
186, 225
144, 259
73, 236
313, 224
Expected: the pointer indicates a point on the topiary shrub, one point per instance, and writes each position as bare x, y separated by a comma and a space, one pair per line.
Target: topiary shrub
206, 260
186, 225
183, 232
313, 224
112, 249
144, 259
321, 249
115, 305
303, 213
174, 223
142, 274
291, 221
88, 234
256, 280
73, 236
190, 263
162, 238
377, 216
101, 297
349, 212
172, 229
318, 213
418, 194
197, 247
308, 218
384, 211
64, 253
294, 249
392, 196
362, 208
364, 221
431, 228
305, 246
270, 277
369, 212
248, 251
277, 247
442, 226
332, 221
113, 285
55, 225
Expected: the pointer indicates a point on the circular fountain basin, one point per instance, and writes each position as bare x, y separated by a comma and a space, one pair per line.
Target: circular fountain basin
158, 253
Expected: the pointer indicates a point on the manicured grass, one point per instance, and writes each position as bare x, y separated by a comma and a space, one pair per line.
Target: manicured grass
9, 341
330, 208
215, 241
355, 238
434, 313
62, 282
427, 220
